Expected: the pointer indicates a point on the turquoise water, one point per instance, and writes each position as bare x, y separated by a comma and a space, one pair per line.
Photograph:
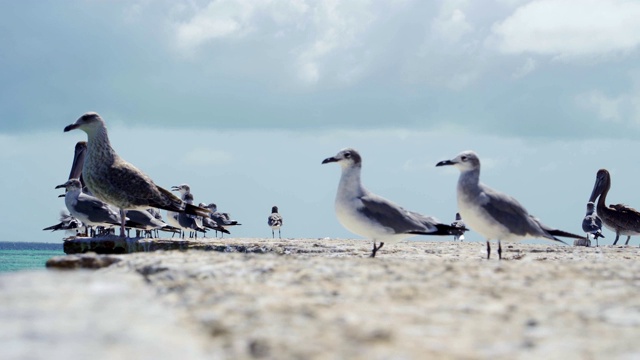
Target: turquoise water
16, 256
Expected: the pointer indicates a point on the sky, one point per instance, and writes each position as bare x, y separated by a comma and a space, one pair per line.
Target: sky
243, 99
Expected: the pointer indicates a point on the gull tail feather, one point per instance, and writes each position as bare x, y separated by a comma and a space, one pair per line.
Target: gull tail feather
196, 210
441, 230
54, 227
556, 232
170, 228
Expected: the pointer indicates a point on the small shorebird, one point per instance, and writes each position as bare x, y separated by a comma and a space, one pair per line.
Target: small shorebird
209, 223
372, 216
619, 218
592, 224
115, 181
222, 219
493, 214
68, 223
187, 222
458, 224
145, 220
275, 222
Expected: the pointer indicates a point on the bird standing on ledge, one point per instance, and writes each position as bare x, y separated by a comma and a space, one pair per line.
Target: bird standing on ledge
115, 181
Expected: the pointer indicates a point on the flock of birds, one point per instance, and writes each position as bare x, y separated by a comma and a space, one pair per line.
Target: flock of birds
489, 212
104, 191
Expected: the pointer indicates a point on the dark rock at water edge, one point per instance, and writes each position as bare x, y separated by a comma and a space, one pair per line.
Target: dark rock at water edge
117, 245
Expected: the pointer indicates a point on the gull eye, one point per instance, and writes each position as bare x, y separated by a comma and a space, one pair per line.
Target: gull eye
347, 155
463, 158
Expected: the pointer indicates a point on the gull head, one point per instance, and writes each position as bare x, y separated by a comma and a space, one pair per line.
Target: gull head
465, 161
590, 207
89, 122
347, 158
212, 207
71, 185
274, 209
183, 188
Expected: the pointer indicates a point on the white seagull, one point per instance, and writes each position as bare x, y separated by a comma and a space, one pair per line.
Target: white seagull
372, 216
493, 214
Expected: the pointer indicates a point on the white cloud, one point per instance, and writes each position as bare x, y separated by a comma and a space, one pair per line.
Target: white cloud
621, 109
318, 38
526, 68
218, 20
607, 108
570, 28
451, 24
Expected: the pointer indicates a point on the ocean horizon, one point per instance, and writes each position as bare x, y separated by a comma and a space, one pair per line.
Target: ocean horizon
17, 255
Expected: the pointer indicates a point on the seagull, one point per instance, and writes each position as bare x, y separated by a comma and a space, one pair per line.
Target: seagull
117, 182
89, 210
493, 214
592, 224
619, 218
459, 224
372, 216
68, 223
209, 223
223, 219
147, 221
187, 222
190, 222
275, 221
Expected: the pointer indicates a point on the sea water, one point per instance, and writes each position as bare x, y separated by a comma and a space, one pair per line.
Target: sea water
16, 256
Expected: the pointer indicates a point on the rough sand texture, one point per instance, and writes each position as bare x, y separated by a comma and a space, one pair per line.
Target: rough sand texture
308, 299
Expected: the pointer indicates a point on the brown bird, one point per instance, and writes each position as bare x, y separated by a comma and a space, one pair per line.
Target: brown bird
619, 218
115, 181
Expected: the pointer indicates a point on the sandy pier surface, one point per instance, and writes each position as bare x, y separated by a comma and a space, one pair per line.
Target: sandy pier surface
325, 299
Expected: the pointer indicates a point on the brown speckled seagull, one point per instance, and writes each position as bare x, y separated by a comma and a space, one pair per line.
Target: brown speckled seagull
115, 181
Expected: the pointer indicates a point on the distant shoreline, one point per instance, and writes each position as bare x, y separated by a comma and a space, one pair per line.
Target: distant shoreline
28, 245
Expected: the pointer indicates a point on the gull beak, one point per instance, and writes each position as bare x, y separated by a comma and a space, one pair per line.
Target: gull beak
70, 127
61, 186
329, 160
175, 188
61, 195
445, 163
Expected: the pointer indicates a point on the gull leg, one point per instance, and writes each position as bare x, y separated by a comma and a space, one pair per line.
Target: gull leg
123, 219
273, 236
488, 250
375, 249
627, 242
499, 250
279, 235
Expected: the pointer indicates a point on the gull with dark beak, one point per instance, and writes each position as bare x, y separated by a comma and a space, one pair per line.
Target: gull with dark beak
493, 214
117, 182
372, 216
86, 208
592, 224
